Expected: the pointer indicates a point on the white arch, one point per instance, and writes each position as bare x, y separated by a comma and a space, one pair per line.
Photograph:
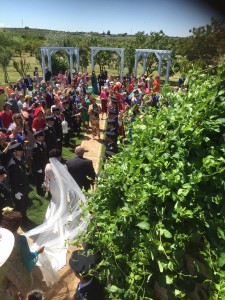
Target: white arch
160, 54
51, 50
120, 51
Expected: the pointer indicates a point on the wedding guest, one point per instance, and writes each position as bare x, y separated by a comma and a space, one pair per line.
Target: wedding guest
39, 156
93, 112
29, 142
29, 83
50, 134
104, 101
5, 196
38, 122
6, 115
2, 98
27, 104
15, 135
94, 83
19, 89
89, 287
9, 89
18, 122
156, 84
13, 102
18, 179
81, 169
16, 276
4, 149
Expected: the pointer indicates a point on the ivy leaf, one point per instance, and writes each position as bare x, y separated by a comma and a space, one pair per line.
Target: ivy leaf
221, 261
144, 225
113, 288
167, 234
169, 279
160, 266
137, 277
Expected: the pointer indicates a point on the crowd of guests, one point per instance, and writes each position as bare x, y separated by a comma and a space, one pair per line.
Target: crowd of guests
122, 101
37, 116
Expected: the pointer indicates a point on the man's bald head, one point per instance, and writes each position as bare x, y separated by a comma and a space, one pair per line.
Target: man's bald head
79, 151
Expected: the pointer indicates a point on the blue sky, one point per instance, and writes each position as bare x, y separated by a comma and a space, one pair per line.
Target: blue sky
174, 17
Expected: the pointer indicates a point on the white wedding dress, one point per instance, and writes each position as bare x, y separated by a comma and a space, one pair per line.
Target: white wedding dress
63, 221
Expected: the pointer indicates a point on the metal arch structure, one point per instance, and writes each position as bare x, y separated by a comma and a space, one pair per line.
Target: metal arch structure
160, 54
120, 51
49, 51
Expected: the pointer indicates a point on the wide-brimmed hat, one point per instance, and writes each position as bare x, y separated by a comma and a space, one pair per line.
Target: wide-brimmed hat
6, 244
81, 262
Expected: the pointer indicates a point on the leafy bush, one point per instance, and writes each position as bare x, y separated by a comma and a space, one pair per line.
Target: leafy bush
60, 62
159, 209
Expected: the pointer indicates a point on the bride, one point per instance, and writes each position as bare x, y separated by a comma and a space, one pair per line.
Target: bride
63, 221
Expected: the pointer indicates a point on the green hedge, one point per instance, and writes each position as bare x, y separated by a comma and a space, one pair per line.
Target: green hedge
159, 209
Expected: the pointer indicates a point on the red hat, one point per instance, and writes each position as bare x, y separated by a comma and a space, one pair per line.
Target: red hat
38, 110
1, 88
2, 135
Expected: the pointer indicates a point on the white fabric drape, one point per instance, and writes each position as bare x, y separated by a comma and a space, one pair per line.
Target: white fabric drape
59, 227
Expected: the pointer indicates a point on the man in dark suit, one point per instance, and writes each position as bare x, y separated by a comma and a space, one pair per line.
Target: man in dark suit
111, 126
18, 179
29, 82
39, 160
89, 288
81, 169
50, 134
58, 126
67, 114
111, 144
48, 74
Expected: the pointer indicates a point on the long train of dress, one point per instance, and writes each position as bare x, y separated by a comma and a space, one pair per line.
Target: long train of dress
63, 221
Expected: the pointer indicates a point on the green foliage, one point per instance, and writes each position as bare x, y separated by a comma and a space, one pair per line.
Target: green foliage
6, 54
60, 61
158, 211
205, 45
21, 66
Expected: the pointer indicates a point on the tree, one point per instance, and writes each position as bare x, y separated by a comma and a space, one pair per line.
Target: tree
156, 40
18, 44
60, 61
140, 39
32, 45
6, 54
108, 32
129, 54
21, 66
206, 44
103, 57
84, 54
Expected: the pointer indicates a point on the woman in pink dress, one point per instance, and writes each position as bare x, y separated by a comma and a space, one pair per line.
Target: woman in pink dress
104, 100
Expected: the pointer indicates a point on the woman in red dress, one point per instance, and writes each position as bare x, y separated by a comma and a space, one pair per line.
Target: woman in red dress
6, 115
156, 84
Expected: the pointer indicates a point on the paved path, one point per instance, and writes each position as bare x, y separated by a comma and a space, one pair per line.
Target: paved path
65, 288
93, 147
